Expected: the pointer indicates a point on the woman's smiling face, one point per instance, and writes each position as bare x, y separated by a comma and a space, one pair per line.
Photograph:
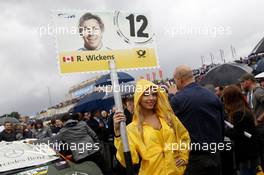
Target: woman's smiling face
148, 99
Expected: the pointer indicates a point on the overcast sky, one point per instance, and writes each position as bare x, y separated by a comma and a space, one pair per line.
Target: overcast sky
28, 60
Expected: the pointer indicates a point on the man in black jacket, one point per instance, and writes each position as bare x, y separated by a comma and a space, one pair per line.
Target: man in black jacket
97, 124
8, 134
75, 136
79, 138
202, 114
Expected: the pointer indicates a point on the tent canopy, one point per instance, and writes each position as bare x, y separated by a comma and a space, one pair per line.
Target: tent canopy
259, 48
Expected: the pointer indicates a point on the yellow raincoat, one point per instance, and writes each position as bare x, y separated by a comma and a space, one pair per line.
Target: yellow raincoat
158, 149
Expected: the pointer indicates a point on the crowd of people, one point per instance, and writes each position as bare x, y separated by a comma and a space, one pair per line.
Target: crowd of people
28, 129
180, 128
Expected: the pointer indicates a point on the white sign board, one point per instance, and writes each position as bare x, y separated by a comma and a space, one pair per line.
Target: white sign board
16, 155
87, 40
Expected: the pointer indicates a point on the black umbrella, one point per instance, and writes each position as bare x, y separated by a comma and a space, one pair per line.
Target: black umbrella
8, 119
106, 79
225, 74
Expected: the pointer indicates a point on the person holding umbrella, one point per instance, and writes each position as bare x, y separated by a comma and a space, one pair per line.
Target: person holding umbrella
152, 132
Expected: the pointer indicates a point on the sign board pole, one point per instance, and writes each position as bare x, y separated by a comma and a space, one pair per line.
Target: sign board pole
118, 103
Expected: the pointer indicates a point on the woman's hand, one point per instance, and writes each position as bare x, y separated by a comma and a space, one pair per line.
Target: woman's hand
101, 125
118, 117
172, 89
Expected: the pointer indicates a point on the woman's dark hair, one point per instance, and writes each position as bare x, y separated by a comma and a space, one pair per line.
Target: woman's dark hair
8, 122
70, 116
66, 117
38, 122
221, 88
234, 101
53, 121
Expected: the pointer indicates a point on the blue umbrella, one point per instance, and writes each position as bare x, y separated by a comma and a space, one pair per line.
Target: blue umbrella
106, 79
125, 91
101, 100
92, 101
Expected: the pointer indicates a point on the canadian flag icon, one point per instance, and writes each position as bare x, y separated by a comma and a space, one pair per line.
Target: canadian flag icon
68, 59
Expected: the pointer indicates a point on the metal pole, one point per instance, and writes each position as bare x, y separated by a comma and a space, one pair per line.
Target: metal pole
212, 58
232, 51
49, 96
202, 59
235, 51
118, 103
221, 55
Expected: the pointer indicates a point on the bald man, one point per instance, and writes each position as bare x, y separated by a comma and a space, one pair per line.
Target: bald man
202, 114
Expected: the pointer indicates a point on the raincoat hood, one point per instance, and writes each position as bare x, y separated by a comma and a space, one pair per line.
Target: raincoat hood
162, 100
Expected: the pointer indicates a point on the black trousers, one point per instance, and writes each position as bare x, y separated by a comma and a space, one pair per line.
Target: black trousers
203, 163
